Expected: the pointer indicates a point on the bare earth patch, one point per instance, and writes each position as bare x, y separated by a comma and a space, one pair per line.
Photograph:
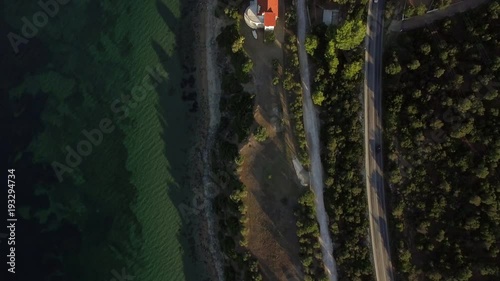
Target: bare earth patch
267, 172
273, 191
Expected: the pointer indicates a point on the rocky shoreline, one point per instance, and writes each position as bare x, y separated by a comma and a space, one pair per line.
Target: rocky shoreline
207, 27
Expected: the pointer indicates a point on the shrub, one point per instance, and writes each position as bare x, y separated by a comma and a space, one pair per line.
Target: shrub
261, 134
318, 98
269, 37
311, 44
238, 44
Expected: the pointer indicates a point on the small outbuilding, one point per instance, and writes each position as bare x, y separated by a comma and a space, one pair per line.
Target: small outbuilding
331, 17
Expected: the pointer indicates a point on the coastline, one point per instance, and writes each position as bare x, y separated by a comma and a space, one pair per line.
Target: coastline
207, 28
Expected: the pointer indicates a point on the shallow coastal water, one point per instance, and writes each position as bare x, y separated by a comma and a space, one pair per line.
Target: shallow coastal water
128, 63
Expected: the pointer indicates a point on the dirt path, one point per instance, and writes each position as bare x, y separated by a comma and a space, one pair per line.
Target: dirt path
428, 18
267, 172
311, 126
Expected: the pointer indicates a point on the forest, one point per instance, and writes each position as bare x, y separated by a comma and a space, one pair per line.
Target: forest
443, 148
337, 55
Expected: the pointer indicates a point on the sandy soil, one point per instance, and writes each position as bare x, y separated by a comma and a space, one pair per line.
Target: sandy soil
273, 190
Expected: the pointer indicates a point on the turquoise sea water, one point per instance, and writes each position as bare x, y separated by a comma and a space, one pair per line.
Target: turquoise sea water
117, 209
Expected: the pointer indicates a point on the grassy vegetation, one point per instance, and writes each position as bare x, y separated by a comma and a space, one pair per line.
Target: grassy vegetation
291, 84
417, 10
261, 134
442, 128
269, 37
231, 41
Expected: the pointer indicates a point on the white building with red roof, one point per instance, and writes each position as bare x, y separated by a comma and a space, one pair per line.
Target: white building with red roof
262, 14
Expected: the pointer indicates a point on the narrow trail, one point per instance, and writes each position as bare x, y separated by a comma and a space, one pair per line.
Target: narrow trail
211, 26
311, 126
432, 16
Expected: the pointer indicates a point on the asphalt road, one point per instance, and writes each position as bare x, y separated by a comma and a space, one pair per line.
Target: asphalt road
373, 143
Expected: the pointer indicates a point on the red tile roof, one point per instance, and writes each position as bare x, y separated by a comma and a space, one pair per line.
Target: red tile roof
269, 19
273, 6
267, 6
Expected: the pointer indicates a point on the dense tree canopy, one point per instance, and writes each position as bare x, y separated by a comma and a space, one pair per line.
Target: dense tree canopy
442, 128
342, 137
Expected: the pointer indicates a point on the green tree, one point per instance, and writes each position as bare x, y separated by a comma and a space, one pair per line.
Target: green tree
311, 44
333, 65
269, 37
421, 9
393, 69
238, 44
435, 276
331, 56
318, 98
439, 72
415, 64
425, 49
352, 70
350, 34
482, 172
475, 69
491, 95
247, 67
